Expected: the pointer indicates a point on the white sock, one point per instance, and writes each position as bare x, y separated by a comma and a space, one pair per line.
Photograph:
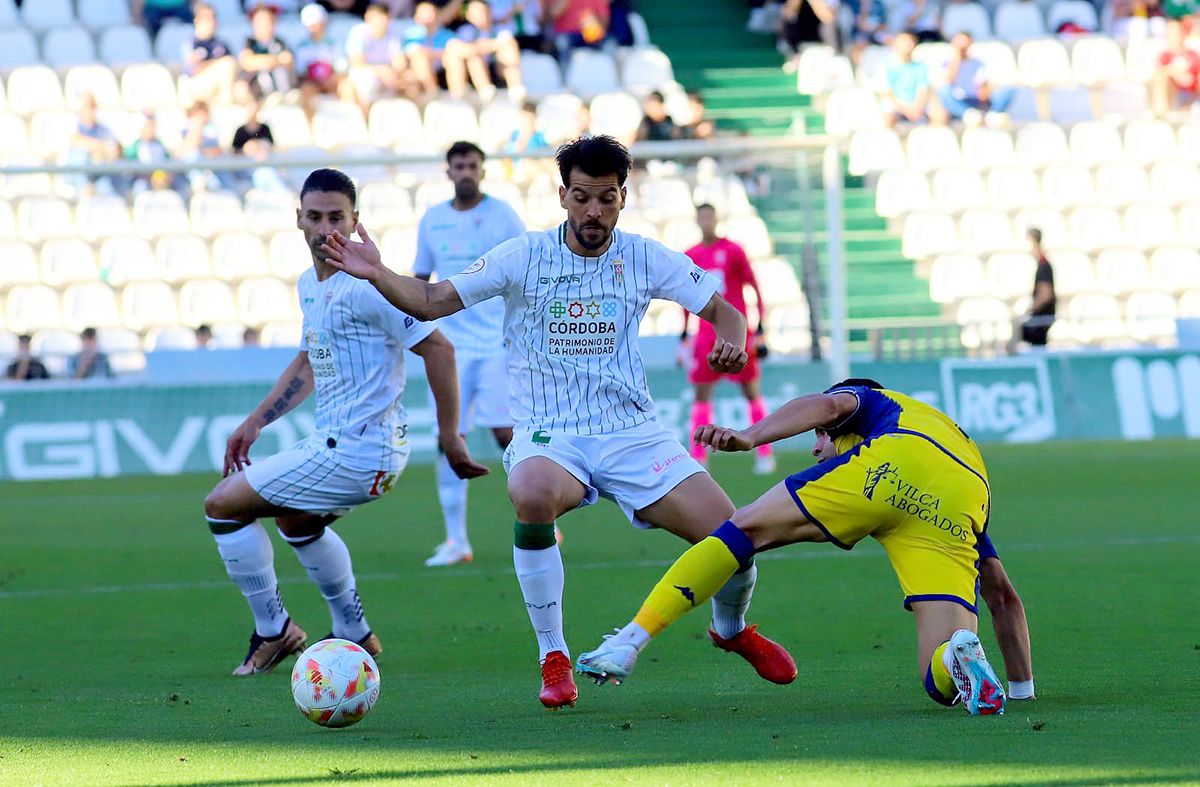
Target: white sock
327, 561
250, 563
730, 603
540, 572
1021, 689
452, 492
632, 634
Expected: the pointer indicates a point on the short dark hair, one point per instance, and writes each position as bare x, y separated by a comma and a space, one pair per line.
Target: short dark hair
596, 156
24, 339
88, 333
332, 180
1035, 234
705, 206
657, 96
464, 148
856, 382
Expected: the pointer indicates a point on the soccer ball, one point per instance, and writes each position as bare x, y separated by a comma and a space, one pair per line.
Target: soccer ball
335, 683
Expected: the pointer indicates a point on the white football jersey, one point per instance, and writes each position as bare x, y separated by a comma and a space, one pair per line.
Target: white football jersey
571, 324
355, 342
449, 240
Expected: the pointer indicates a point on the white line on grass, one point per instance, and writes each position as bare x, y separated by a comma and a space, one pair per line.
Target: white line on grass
385, 576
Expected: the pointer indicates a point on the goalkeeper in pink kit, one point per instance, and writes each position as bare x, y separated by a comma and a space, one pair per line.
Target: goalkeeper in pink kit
726, 260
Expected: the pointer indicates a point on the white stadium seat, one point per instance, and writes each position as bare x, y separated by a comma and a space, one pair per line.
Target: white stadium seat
206, 301
1175, 268
497, 122
1096, 60
985, 231
932, 147
265, 299
33, 89
281, 334
238, 255
590, 72
124, 349
966, 18
821, 69
956, 189
18, 48
871, 71
1141, 57
1016, 21
1095, 317
1189, 303
157, 213
129, 44
901, 191
14, 134
956, 276
68, 261
173, 337
148, 86
1009, 273
127, 259
935, 55
985, 321
928, 233
101, 216
1121, 271
665, 198
1150, 316
985, 148
1124, 100
1150, 226
270, 211
1174, 182
20, 263
1042, 144
1095, 142
1049, 220
97, 80
68, 46
558, 116
50, 132
999, 60
55, 349
646, 69
852, 109
447, 121
1118, 185
32, 308
395, 122
875, 150
385, 205
289, 125
90, 305
1073, 273
540, 74
399, 247
148, 304
751, 233
681, 234
212, 213
617, 114
1011, 188
289, 255
431, 192
182, 257
42, 218
1094, 228
1149, 141
1067, 186
1043, 63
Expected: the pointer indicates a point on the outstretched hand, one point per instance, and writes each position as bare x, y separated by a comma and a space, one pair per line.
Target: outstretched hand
722, 438
455, 449
727, 357
360, 260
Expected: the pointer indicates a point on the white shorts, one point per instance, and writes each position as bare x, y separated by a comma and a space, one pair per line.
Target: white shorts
316, 479
482, 393
634, 468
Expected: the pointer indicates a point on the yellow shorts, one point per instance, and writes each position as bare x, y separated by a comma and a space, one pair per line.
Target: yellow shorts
926, 508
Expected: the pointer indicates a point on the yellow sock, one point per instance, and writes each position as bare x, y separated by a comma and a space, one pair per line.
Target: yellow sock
941, 676
694, 578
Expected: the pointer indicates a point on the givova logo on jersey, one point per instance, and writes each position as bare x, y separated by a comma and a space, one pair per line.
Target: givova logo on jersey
581, 327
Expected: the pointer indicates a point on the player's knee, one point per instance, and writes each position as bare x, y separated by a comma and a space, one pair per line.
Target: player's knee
535, 504
216, 506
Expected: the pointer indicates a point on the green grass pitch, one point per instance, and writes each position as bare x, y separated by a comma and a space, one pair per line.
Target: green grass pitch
120, 629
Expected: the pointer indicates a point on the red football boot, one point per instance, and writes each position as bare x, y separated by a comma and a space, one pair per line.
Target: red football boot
558, 685
770, 659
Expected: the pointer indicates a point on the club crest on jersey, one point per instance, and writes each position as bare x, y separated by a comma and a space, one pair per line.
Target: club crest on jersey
618, 270
476, 266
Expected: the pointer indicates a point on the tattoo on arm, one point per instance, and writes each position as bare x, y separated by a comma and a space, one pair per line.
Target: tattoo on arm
280, 405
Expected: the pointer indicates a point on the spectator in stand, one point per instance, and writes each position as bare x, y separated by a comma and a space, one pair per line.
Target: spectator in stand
697, 127
252, 129
870, 23
807, 22
910, 98
378, 67
153, 14
89, 361
317, 61
1036, 327
527, 136
204, 337
1136, 19
477, 48
425, 45
25, 366
209, 65
966, 93
1176, 82
265, 61
521, 19
250, 335
656, 125
149, 149
200, 141
579, 23
92, 143
396, 8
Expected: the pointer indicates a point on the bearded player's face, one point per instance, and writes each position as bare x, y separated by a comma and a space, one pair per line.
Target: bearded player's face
322, 212
593, 205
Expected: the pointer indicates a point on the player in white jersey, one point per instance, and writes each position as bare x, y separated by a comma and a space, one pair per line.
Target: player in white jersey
353, 358
451, 236
584, 422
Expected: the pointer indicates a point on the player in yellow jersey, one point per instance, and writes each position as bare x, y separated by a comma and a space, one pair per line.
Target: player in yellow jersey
891, 467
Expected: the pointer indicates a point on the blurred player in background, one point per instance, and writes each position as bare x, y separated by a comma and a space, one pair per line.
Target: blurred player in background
451, 236
585, 424
353, 359
728, 263
890, 467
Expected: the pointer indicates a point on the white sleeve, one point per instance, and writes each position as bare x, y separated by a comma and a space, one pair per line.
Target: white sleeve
423, 265
404, 328
675, 277
491, 274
